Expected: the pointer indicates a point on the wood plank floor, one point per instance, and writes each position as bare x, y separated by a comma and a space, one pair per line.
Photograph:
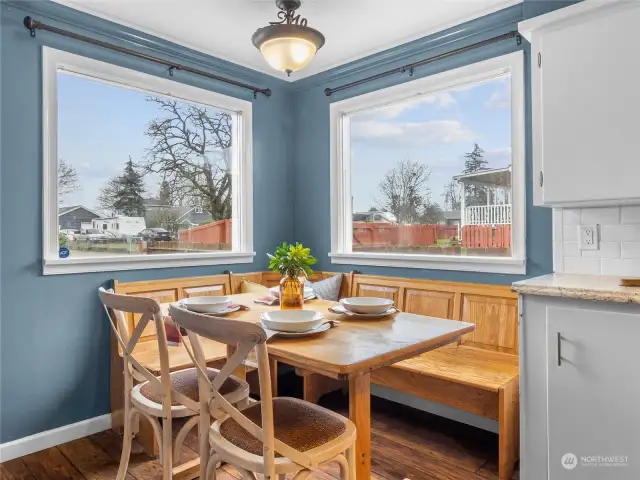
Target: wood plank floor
406, 443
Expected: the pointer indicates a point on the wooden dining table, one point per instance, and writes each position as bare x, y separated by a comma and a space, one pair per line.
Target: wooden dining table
352, 350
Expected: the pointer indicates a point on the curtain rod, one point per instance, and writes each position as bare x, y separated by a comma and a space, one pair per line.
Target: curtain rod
32, 25
410, 67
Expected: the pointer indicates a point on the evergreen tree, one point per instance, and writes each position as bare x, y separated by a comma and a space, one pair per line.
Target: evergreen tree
129, 198
124, 194
475, 162
164, 195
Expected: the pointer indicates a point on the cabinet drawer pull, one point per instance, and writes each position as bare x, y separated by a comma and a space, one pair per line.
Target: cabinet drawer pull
559, 349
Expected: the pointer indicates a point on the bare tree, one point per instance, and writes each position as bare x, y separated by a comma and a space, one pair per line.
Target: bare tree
67, 179
191, 151
452, 195
404, 191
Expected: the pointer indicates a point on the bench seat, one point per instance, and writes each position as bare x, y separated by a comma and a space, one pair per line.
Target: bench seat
479, 381
469, 366
147, 354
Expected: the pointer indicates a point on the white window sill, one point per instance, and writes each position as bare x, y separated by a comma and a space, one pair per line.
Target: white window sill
112, 263
433, 262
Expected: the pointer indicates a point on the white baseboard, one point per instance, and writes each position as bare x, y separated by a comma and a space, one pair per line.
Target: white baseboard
435, 408
51, 438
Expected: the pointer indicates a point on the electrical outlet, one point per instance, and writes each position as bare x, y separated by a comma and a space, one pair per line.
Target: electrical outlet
589, 239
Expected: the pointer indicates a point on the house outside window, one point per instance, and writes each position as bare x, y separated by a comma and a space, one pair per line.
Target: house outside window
430, 173
124, 151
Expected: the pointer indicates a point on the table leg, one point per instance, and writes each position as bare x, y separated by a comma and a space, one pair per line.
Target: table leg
240, 371
360, 414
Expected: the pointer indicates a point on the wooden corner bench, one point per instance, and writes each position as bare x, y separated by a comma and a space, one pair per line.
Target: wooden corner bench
478, 375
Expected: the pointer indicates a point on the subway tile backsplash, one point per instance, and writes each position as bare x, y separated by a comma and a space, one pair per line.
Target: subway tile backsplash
619, 233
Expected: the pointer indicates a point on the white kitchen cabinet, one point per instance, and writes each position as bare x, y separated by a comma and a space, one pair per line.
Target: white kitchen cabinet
593, 393
584, 409
585, 79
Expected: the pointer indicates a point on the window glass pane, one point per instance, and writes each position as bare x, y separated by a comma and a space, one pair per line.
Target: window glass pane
433, 175
139, 173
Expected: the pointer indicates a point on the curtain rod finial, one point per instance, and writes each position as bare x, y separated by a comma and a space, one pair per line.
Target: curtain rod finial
31, 24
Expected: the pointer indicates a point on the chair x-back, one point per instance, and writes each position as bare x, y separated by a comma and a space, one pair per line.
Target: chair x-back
276, 436
171, 395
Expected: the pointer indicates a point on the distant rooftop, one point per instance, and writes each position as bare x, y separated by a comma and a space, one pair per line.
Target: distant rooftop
497, 177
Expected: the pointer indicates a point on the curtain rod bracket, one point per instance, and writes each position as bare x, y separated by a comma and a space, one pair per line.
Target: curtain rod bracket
32, 25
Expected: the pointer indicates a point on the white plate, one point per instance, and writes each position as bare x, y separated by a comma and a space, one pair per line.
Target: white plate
206, 304
291, 320
322, 328
226, 311
344, 311
367, 305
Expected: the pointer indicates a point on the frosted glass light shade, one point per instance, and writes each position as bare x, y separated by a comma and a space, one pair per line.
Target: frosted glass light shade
288, 54
288, 47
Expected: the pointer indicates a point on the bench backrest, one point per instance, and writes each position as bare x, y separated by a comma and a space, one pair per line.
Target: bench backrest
271, 279
171, 290
493, 308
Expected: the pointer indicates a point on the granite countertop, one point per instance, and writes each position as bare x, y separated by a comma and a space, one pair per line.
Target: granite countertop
585, 287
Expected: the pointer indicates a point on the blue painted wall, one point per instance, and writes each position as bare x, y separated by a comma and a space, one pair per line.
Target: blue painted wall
311, 162
54, 337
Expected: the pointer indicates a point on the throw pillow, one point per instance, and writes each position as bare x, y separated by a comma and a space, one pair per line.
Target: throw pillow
251, 287
329, 288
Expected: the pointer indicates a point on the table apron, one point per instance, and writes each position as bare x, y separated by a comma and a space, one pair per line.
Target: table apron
302, 364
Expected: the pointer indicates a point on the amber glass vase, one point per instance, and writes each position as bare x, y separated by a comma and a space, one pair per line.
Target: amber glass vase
291, 293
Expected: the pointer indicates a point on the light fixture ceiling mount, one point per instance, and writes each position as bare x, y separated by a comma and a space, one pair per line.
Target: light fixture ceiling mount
289, 44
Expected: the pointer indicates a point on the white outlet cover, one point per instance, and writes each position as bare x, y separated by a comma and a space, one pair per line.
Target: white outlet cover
589, 237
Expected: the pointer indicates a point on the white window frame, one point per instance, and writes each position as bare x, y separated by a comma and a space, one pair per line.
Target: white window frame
341, 214
242, 168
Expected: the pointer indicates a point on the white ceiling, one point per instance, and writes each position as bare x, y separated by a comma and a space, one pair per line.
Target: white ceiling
353, 28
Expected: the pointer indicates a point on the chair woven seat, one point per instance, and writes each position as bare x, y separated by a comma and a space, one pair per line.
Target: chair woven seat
186, 382
301, 425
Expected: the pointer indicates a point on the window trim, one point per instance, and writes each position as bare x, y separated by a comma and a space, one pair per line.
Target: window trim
340, 169
242, 180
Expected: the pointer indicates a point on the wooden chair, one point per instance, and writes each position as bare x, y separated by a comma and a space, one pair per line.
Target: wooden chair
171, 395
274, 437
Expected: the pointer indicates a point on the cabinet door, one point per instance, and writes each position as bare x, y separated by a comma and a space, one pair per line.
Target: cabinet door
593, 394
587, 99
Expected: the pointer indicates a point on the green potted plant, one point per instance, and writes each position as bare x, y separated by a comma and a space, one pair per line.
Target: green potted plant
293, 262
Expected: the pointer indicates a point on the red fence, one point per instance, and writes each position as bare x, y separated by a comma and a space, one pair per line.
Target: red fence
211, 233
379, 234
486, 236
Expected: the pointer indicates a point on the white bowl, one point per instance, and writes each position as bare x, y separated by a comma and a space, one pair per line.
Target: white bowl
275, 291
206, 304
292, 320
369, 305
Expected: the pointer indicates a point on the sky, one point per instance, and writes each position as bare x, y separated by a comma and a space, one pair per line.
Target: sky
435, 130
99, 126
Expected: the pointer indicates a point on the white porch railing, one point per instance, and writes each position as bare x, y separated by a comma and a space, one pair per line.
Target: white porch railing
488, 215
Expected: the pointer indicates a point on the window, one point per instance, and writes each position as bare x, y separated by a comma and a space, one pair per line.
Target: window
130, 153
430, 173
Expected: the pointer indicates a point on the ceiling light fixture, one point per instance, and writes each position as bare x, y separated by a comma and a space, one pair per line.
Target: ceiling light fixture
288, 45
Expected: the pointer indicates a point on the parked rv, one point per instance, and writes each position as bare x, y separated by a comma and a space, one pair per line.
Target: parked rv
121, 227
